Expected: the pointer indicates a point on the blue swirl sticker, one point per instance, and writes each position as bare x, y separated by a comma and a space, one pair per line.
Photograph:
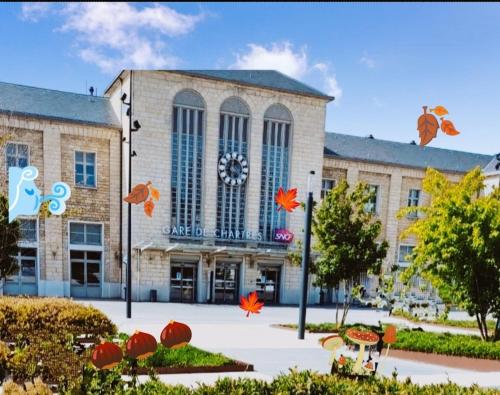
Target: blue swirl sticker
25, 198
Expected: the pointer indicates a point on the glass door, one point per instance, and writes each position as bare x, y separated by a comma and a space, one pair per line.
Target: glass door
24, 281
183, 283
227, 277
268, 284
85, 274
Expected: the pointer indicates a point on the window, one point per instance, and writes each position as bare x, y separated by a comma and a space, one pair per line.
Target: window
28, 230
187, 159
326, 186
233, 138
85, 169
17, 155
274, 174
404, 252
371, 205
85, 234
413, 201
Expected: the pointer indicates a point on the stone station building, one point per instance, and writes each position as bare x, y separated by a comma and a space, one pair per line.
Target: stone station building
217, 144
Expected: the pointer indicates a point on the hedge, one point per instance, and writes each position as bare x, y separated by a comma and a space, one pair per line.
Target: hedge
23, 318
467, 324
299, 383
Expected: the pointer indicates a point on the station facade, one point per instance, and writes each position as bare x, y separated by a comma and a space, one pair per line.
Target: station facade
217, 145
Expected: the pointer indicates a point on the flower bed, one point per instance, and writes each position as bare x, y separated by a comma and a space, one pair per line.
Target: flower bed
429, 342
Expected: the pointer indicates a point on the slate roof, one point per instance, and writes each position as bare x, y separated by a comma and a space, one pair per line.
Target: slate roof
492, 166
271, 79
57, 105
367, 149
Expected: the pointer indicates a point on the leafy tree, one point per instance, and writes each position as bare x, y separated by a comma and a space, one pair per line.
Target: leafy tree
458, 244
9, 236
345, 238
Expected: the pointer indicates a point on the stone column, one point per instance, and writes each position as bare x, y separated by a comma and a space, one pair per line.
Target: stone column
392, 222
53, 284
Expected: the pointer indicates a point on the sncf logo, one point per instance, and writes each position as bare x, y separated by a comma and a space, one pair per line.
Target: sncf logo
283, 235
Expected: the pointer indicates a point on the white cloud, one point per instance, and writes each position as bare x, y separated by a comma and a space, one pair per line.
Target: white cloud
32, 12
117, 36
283, 57
280, 56
368, 61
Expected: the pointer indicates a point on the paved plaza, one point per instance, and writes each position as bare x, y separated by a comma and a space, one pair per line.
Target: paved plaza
225, 329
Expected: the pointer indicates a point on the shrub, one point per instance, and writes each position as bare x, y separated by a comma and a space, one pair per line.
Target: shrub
25, 319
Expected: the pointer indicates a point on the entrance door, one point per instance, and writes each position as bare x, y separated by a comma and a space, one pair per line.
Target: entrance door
268, 284
24, 282
85, 274
227, 277
183, 283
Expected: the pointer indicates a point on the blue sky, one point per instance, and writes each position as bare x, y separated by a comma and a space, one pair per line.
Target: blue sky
381, 61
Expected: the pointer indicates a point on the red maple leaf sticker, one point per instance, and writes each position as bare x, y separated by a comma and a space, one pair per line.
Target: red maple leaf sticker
251, 304
286, 199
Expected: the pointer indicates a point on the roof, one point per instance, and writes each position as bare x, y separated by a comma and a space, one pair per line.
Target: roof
270, 79
58, 105
369, 149
494, 165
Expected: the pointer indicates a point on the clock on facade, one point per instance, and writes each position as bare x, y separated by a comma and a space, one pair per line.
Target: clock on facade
233, 169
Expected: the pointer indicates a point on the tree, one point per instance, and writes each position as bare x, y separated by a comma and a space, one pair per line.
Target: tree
9, 236
458, 244
345, 238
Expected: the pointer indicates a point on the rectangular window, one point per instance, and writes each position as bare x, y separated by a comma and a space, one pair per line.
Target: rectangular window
17, 155
85, 173
28, 230
326, 186
85, 234
371, 205
413, 201
404, 252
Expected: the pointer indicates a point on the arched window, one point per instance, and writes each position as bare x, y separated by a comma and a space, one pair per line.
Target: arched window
276, 139
187, 161
232, 168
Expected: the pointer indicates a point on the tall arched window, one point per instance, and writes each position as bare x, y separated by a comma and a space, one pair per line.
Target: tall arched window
187, 160
232, 167
276, 139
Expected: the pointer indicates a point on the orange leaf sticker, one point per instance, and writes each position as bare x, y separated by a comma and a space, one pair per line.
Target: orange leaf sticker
155, 193
251, 304
448, 127
148, 207
286, 199
427, 126
439, 111
138, 194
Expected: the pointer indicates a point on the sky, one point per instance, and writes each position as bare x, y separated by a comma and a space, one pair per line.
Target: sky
382, 62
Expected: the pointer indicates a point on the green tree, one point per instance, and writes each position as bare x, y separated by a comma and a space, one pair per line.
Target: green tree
458, 244
9, 236
346, 239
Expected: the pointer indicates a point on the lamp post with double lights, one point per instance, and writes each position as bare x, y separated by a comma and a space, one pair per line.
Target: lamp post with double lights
305, 257
132, 127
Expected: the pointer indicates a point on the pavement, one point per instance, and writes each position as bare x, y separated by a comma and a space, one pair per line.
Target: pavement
226, 329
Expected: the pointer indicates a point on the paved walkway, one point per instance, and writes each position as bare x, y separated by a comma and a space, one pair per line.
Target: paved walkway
225, 329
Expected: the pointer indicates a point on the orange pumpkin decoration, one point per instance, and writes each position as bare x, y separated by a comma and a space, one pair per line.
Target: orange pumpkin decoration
140, 345
106, 355
342, 360
175, 335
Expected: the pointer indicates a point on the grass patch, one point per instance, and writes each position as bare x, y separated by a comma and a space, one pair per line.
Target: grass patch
187, 356
466, 324
430, 342
447, 343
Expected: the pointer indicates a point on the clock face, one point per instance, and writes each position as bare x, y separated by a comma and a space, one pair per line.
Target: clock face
233, 169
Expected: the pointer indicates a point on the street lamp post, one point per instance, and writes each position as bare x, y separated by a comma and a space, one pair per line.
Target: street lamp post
136, 126
305, 257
